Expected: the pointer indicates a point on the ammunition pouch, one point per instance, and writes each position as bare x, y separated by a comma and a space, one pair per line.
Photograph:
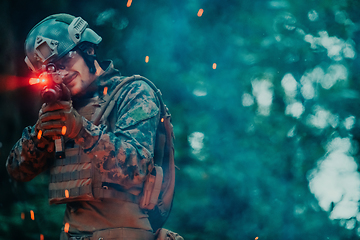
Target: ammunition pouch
152, 188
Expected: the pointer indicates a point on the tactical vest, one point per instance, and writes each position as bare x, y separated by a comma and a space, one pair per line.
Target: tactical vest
74, 178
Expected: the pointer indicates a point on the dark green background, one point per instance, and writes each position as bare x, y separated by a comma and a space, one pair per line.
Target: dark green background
245, 164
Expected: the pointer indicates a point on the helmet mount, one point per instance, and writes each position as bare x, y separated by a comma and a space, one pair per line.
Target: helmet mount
45, 48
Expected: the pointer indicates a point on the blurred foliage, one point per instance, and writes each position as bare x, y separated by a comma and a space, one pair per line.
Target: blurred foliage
265, 141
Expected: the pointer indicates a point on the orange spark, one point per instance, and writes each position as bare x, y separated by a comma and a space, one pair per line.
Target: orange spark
39, 134
200, 12
41, 237
67, 193
129, 3
162, 119
63, 130
147, 59
22, 216
105, 90
214, 65
66, 227
256, 238
32, 215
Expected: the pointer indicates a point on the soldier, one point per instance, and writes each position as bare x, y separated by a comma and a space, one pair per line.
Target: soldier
105, 166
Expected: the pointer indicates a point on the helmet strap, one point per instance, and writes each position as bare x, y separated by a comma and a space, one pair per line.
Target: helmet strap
89, 59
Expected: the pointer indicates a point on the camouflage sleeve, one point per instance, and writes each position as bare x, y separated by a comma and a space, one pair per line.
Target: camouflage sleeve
29, 157
124, 154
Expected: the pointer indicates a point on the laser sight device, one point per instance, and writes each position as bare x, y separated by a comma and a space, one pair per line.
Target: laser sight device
52, 91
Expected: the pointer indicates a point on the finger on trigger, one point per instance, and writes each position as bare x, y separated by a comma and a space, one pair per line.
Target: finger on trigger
52, 124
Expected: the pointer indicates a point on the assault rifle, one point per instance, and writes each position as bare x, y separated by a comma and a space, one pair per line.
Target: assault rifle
51, 92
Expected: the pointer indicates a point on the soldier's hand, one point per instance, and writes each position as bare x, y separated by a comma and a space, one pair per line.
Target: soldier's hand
59, 119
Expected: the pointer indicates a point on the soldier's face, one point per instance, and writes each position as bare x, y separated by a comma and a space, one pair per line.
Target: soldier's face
76, 74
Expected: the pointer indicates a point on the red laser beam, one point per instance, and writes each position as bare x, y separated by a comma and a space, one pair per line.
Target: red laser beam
12, 83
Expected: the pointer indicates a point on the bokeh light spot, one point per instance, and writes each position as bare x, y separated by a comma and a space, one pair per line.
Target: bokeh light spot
66, 227
32, 215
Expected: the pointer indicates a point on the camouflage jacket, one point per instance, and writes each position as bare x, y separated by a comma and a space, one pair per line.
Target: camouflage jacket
122, 147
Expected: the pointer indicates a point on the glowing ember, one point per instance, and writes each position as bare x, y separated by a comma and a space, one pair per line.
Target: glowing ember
63, 130
214, 66
129, 3
200, 12
147, 59
67, 193
39, 134
41, 237
66, 227
32, 215
162, 119
105, 90
22, 216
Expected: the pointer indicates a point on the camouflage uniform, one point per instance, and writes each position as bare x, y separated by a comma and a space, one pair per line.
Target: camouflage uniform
121, 148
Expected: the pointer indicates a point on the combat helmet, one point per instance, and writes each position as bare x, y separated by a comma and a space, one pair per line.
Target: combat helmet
55, 36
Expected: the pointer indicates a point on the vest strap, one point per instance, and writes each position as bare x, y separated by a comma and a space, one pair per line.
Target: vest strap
114, 194
77, 191
68, 176
72, 160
